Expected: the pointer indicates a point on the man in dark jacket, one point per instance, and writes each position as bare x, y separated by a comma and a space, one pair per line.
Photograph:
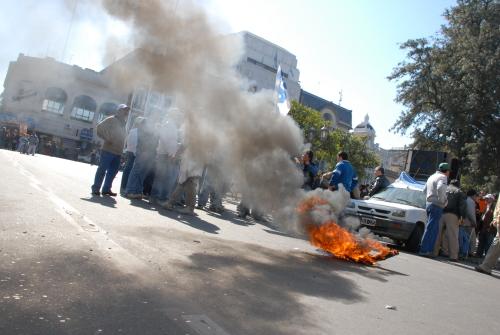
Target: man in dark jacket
380, 183
112, 131
453, 214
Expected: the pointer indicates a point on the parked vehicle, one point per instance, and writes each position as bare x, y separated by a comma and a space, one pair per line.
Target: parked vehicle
398, 212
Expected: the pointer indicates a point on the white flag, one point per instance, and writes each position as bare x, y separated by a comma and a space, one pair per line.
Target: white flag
281, 93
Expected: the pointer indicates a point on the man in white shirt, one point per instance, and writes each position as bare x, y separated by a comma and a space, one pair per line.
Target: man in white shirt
130, 149
436, 201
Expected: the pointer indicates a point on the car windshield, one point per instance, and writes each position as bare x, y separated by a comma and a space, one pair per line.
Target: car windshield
402, 196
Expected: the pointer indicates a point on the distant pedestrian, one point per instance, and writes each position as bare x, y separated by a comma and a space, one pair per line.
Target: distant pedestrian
32, 144
112, 131
344, 173
436, 201
493, 254
380, 183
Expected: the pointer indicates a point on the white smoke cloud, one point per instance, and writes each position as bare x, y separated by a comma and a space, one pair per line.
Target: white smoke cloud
181, 54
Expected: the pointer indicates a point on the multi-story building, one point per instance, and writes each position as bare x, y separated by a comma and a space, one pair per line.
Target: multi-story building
260, 62
62, 103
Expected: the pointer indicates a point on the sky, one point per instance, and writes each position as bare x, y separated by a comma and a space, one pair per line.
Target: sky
349, 46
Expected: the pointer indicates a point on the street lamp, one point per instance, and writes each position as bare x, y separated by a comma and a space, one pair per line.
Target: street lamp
323, 133
311, 134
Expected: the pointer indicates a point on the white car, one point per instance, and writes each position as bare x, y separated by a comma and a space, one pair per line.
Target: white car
397, 212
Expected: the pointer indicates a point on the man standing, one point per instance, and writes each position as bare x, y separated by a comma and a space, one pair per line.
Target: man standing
32, 144
454, 212
493, 253
380, 182
343, 174
112, 131
435, 190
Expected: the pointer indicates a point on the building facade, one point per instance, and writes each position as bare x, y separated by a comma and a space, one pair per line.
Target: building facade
260, 62
339, 117
60, 102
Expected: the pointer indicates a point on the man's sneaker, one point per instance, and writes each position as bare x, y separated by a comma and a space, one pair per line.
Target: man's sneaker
110, 193
480, 269
96, 193
186, 211
133, 196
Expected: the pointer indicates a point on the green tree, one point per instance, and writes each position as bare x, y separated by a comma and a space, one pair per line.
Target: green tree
327, 149
449, 85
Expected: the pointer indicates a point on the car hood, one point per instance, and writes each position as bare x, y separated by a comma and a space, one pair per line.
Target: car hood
385, 204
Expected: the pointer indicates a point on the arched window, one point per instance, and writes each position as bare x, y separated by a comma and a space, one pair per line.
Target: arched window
106, 109
54, 100
329, 115
84, 108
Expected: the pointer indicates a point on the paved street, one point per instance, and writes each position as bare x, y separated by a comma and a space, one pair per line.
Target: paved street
72, 264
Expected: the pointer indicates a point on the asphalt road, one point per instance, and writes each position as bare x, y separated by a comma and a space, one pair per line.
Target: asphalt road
73, 264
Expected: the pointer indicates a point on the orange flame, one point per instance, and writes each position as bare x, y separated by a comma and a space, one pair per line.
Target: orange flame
330, 237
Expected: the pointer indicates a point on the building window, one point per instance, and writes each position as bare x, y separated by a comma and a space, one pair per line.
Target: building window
82, 114
84, 108
54, 101
53, 106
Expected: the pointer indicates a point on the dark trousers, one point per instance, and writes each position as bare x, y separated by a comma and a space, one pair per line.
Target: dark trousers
130, 158
108, 167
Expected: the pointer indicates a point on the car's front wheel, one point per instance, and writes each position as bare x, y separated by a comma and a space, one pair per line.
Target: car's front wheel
413, 243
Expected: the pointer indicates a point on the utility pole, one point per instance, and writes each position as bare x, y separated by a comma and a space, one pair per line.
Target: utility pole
69, 31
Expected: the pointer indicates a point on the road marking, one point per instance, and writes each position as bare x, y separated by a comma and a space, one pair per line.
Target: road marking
126, 261
203, 325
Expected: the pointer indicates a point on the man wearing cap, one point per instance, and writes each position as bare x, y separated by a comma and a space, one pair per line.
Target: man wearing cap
112, 131
436, 201
493, 253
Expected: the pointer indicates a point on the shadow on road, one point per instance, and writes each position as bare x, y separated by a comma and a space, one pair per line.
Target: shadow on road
192, 221
143, 204
67, 293
105, 201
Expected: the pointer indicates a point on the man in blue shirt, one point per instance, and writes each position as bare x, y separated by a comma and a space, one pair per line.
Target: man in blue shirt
343, 174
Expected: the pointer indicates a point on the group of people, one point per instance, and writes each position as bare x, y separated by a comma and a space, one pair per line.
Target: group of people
160, 167
28, 144
158, 164
460, 224
11, 139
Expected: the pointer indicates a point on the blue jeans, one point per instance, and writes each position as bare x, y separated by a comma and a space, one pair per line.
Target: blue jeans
464, 240
142, 166
167, 170
431, 232
130, 158
108, 165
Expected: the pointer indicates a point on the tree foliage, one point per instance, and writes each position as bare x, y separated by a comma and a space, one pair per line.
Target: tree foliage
449, 85
326, 150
